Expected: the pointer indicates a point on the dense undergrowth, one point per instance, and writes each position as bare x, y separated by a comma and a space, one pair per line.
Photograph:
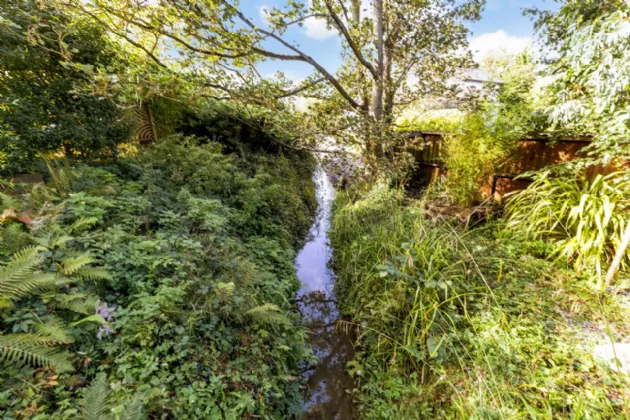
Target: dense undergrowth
187, 311
468, 323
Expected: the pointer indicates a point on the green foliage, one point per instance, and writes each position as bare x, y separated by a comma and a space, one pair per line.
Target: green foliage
43, 107
585, 219
476, 143
94, 403
590, 74
20, 277
34, 273
455, 323
34, 350
197, 249
355, 104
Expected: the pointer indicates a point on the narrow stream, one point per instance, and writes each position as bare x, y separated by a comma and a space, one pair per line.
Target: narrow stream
326, 395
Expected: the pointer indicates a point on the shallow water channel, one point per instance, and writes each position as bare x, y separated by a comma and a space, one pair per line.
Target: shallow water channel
326, 395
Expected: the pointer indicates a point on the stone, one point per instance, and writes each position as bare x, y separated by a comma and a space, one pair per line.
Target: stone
606, 353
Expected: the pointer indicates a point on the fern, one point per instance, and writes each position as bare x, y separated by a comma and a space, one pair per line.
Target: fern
55, 332
12, 238
34, 350
72, 265
79, 302
8, 202
62, 175
19, 278
134, 409
94, 273
54, 239
268, 314
83, 223
94, 404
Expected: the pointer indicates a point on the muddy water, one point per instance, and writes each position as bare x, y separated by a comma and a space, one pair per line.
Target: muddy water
326, 395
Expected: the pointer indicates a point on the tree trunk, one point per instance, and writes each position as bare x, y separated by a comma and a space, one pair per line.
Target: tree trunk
356, 11
376, 109
388, 90
621, 251
356, 19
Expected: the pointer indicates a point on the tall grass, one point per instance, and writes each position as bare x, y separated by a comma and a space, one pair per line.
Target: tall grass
585, 219
462, 324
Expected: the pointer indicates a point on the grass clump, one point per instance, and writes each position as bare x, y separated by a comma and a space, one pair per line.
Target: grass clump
586, 219
467, 323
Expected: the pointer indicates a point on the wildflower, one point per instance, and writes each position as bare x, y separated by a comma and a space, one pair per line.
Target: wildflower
106, 313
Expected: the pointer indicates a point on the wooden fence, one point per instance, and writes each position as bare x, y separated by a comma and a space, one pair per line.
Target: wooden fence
531, 154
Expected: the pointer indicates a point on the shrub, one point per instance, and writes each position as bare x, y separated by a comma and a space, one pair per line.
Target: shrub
43, 107
199, 246
584, 218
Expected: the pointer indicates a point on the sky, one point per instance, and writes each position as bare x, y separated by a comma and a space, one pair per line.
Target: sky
502, 26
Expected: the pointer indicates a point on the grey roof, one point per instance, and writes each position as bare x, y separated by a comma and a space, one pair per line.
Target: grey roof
478, 75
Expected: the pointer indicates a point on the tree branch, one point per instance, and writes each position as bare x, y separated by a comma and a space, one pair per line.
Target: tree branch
147, 27
301, 88
354, 104
303, 18
122, 35
353, 46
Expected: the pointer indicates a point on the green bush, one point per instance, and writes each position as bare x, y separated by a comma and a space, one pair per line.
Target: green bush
43, 104
476, 141
199, 246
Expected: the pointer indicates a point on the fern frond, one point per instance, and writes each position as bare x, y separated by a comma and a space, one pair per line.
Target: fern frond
57, 333
268, 314
54, 239
12, 238
94, 403
16, 289
8, 202
79, 302
70, 266
23, 263
33, 350
83, 223
134, 409
62, 175
94, 274
19, 277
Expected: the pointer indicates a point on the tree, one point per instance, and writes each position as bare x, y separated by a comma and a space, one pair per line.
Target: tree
215, 44
590, 69
43, 107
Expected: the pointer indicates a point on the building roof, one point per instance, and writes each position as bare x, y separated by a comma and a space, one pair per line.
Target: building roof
478, 75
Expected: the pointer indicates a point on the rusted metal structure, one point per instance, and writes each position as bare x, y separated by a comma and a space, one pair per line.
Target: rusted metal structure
531, 154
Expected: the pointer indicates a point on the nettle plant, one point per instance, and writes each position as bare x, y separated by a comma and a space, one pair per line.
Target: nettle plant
585, 219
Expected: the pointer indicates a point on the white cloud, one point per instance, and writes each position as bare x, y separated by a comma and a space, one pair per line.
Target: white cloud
498, 42
316, 28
